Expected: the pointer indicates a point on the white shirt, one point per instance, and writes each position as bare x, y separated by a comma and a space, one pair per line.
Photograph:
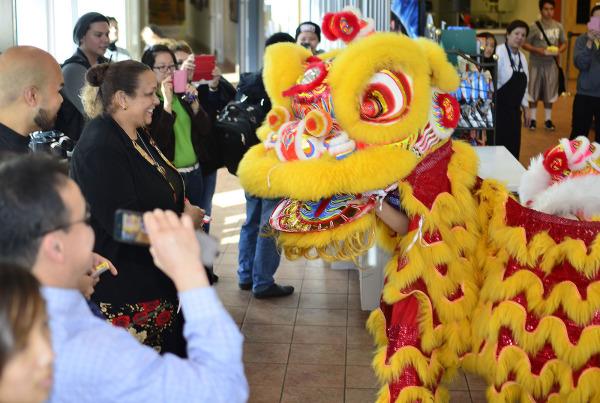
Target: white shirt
505, 69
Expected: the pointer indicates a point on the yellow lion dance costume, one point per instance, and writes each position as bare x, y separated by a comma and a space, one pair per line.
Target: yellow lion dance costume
353, 126
368, 118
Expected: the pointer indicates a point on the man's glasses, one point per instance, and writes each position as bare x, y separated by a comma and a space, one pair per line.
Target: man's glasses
87, 220
162, 69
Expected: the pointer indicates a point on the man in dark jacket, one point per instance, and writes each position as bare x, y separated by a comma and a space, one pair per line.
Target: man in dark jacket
30, 81
258, 256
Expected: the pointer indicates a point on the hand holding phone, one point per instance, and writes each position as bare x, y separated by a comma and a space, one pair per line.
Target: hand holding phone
175, 249
130, 228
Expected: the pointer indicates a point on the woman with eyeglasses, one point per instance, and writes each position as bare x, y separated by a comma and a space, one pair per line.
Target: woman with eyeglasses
118, 166
180, 126
26, 355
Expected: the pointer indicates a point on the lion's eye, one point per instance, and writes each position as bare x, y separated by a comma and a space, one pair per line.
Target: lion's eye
387, 97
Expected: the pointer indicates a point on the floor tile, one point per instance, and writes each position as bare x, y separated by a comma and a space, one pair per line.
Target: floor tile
237, 313
267, 333
325, 286
310, 376
290, 301
289, 273
361, 395
459, 382
227, 284
332, 354
353, 287
319, 334
270, 315
360, 377
228, 259
330, 301
234, 297
301, 394
359, 355
478, 396
262, 374
226, 270
475, 382
358, 318
359, 336
265, 394
460, 396
313, 273
266, 352
322, 317
354, 302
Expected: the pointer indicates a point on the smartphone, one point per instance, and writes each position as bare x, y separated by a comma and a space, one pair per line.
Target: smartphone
129, 228
205, 64
594, 24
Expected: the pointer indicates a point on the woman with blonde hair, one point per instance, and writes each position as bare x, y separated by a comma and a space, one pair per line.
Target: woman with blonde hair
118, 166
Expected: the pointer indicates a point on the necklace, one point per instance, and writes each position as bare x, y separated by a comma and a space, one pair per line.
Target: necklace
148, 155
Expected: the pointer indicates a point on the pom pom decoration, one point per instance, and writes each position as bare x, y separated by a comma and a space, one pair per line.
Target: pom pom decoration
277, 116
317, 123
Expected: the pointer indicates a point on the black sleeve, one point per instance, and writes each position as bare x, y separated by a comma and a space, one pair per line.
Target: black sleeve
104, 176
161, 130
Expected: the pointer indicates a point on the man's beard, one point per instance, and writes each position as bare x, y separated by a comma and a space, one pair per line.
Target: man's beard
44, 121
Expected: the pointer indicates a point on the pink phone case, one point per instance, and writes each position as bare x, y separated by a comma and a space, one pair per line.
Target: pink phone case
180, 81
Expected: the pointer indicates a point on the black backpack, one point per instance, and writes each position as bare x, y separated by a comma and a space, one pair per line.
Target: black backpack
236, 131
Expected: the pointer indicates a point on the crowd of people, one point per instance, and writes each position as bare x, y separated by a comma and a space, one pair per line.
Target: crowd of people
154, 329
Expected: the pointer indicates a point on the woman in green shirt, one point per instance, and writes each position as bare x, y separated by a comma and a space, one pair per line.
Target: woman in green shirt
180, 126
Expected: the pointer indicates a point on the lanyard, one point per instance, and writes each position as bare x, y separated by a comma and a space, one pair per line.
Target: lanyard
512, 64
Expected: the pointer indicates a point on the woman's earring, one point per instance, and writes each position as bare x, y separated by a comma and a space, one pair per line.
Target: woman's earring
124, 107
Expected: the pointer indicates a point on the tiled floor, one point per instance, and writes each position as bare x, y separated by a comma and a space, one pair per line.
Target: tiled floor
312, 346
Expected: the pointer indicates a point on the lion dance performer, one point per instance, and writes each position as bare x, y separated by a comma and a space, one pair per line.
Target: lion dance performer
348, 127
537, 325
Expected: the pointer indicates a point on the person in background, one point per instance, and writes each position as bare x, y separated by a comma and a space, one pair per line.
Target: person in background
308, 35
488, 43
543, 73
115, 53
30, 84
258, 255
90, 34
95, 361
213, 96
586, 105
26, 355
511, 97
118, 166
152, 35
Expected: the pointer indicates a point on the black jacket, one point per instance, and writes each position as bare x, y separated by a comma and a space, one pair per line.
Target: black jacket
113, 175
11, 141
69, 119
252, 86
203, 140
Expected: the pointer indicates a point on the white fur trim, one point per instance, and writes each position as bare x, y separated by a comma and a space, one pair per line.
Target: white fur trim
534, 181
570, 196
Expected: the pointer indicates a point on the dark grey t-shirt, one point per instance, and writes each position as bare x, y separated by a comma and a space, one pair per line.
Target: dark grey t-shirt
556, 35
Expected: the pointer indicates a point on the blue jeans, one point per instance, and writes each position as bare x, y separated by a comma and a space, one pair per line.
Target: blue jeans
194, 185
208, 191
258, 258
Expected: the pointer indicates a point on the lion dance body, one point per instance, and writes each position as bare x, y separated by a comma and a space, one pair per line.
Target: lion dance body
351, 126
